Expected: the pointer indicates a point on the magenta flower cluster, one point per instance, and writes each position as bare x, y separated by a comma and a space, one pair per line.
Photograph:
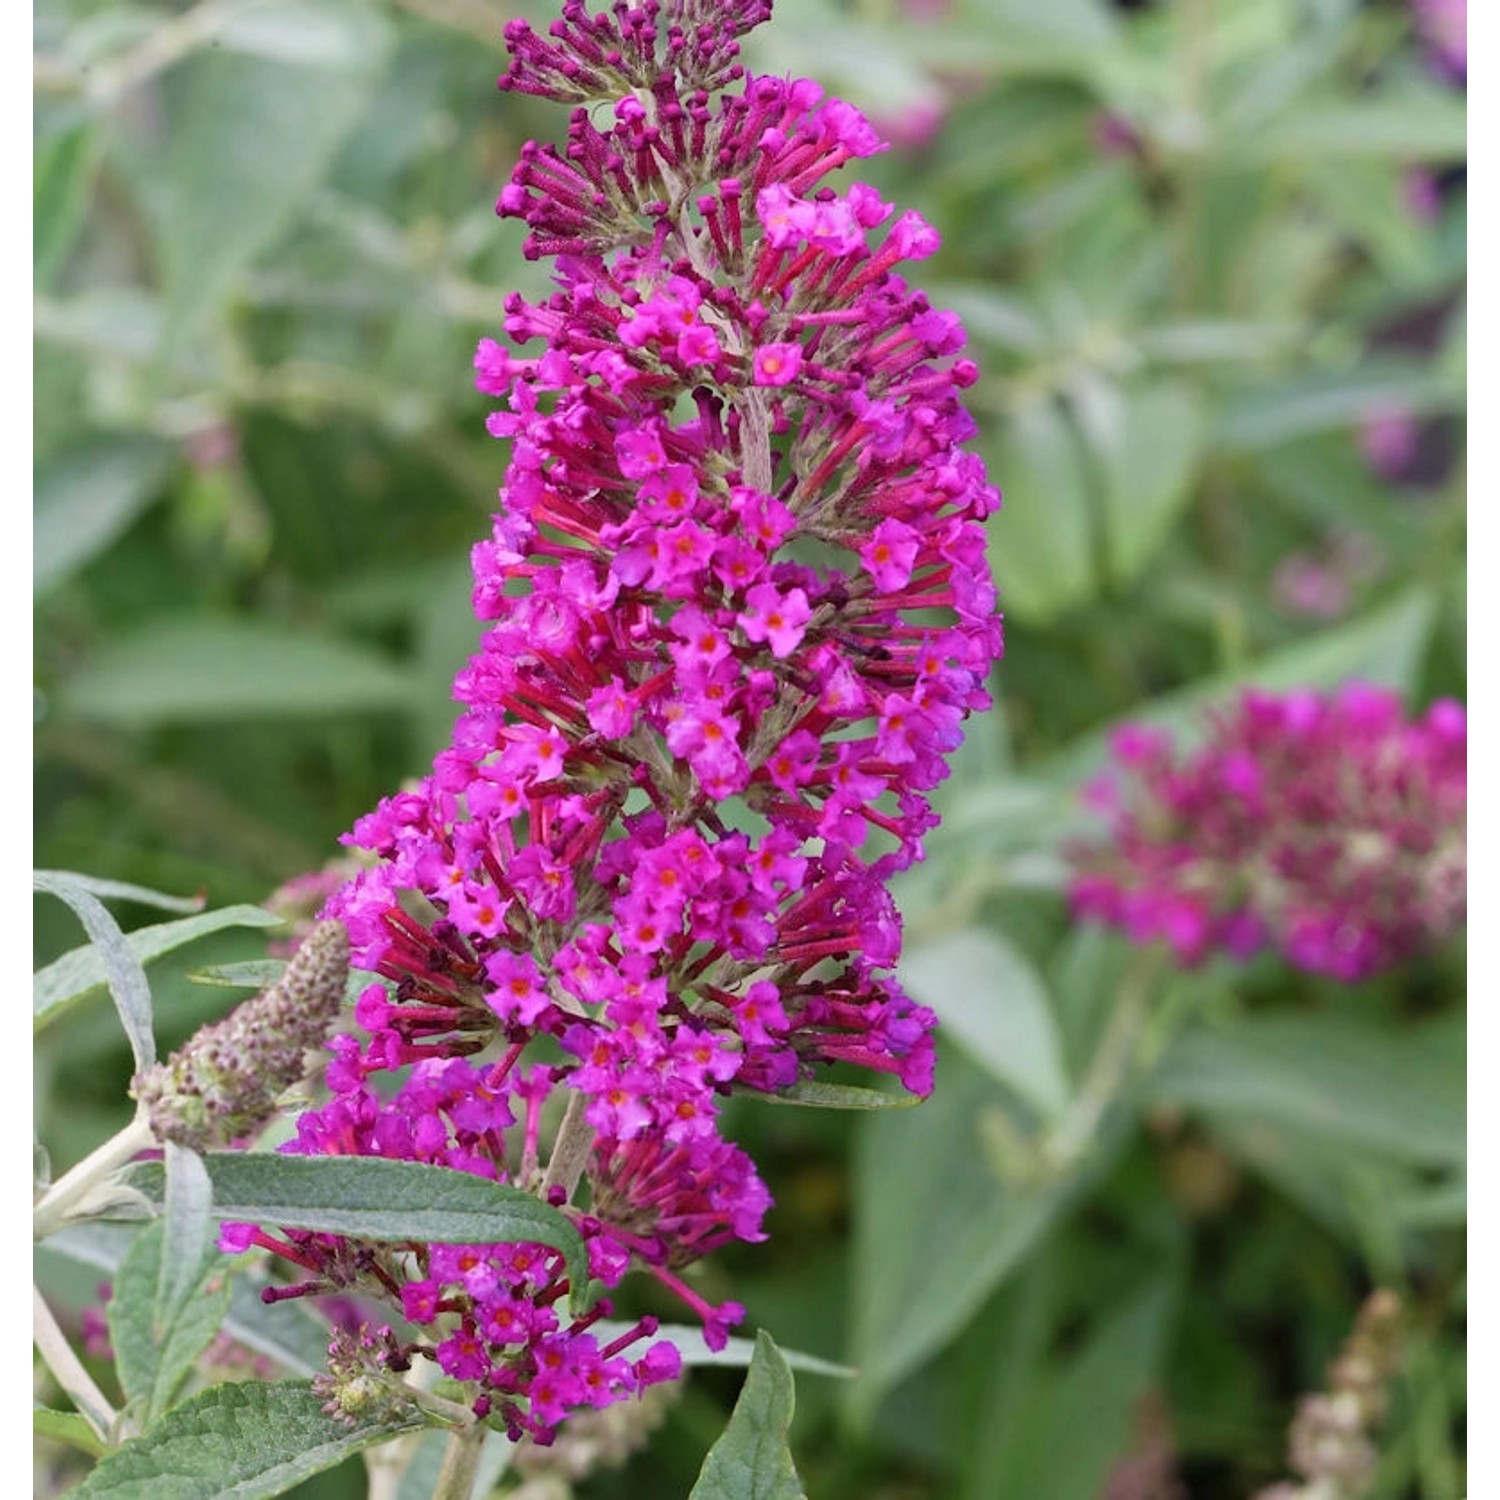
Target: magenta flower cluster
1443, 25
1330, 828
739, 608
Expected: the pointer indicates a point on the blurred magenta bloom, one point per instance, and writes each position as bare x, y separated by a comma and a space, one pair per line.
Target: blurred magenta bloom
1388, 439
1320, 583
913, 125
1444, 26
1330, 828
1114, 135
1421, 195
1303, 585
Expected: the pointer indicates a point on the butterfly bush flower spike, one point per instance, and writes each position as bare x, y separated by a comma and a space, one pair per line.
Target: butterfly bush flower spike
737, 609
1330, 828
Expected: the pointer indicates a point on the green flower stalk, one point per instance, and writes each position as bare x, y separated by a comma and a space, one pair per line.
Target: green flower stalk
224, 1083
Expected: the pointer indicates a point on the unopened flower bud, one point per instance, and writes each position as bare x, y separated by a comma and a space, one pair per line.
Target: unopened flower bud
361, 1383
225, 1081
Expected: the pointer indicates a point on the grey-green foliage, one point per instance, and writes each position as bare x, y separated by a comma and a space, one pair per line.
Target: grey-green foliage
378, 1198
69, 979
282, 242
751, 1460
246, 1440
117, 958
155, 1347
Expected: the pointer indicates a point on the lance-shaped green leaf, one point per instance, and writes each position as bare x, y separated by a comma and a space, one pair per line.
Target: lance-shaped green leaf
373, 1198
242, 1441
812, 1093
122, 889
187, 1234
1355, 1085
204, 669
994, 1004
1385, 646
66, 161
152, 1365
292, 81
122, 969
735, 1355
290, 1332
262, 973
253, 974
66, 1427
936, 1229
87, 498
751, 1460
69, 979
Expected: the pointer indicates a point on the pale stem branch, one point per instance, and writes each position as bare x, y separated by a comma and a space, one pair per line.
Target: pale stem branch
68, 1370
570, 1152
455, 1479
440, 1406
169, 43
56, 1205
384, 1466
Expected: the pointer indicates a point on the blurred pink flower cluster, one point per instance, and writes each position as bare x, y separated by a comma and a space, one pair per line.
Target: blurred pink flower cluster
1330, 828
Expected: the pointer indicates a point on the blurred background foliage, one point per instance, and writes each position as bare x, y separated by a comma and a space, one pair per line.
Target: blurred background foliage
1211, 255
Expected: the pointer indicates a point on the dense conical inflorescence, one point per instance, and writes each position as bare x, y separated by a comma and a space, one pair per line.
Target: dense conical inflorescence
738, 609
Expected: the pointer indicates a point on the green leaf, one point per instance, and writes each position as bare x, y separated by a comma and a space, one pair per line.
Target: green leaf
242, 1441
68, 980
818, 1095
935, 1229
66, 1427
262, 973
1444, 1206
751, 1460
122, 969
251, 134
375, 1198
196, 670
65, 167
736, 1353
994, 1004
992, 316
187, 1235
1351, 1083
290, 1332
1148, 466
127, 892
1427, 124
1041, 543
1078, 1421
1385, 646
1211, 341
152, 1365
1263, 416
87, 497
253, 974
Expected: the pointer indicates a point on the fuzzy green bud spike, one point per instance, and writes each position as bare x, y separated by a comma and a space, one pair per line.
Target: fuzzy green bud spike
225, 1081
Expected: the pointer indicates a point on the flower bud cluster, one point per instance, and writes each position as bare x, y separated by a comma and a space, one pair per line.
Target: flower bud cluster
738, 607
1331, 828
1330, 1446
362, 1381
